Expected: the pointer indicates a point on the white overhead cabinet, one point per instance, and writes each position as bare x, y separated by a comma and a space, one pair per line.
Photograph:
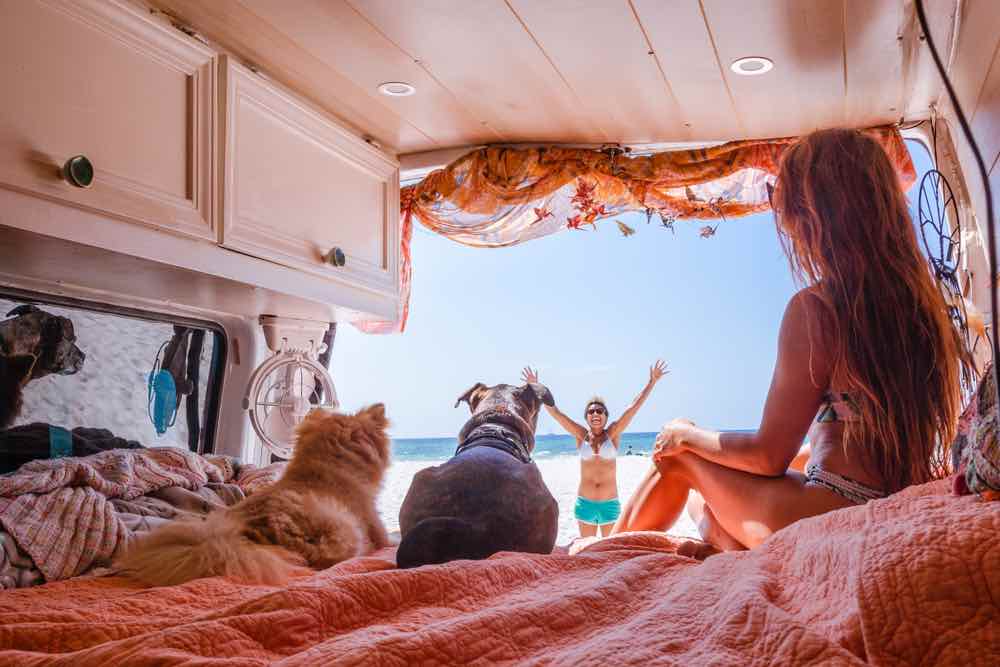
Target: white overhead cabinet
298, 188
90, 78
188, 159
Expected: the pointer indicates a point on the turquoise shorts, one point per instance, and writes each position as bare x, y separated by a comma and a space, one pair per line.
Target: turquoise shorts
597, 512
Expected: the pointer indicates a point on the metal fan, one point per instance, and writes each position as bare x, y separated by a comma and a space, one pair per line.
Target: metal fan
286, 387
938, 222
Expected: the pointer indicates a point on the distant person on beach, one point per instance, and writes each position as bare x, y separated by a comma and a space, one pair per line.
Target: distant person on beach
597, 443
868, 364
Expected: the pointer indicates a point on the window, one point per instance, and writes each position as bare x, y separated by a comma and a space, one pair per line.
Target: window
104, 378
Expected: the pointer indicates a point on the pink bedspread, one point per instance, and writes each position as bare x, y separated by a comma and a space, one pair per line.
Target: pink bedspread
910, 580
59, 513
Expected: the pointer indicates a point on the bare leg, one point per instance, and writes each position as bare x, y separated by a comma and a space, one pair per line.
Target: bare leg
708, 525
587, 529
747, 507
606, 528
713, 533
656, 504
696, 507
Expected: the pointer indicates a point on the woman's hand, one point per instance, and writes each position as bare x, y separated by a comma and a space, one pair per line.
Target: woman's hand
657, 371
670, 440
529, 375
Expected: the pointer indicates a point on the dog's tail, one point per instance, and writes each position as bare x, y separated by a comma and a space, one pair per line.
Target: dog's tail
441, 539
184, 550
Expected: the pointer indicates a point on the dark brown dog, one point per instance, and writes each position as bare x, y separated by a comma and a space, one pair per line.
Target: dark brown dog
490, 496
33, 344
49, 338
14, 373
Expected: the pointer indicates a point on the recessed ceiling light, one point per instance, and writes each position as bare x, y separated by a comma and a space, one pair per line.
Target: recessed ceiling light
396, 89
752, 66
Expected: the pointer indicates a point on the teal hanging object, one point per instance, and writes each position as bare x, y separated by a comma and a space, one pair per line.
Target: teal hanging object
162, 395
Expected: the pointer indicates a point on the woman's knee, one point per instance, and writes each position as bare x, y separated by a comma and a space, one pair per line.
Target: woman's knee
678, 464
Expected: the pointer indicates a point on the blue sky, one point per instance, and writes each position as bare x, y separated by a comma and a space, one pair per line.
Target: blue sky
591, 310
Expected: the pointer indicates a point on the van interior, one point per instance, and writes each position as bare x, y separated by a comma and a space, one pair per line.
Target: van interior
198, 194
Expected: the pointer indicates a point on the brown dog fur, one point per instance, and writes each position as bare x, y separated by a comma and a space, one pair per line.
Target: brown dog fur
321, 512
15, 371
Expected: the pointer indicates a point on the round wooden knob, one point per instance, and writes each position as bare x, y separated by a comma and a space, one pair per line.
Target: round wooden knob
78, 171
335, 257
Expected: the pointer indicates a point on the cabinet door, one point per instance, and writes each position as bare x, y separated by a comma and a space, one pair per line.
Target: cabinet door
100, 79
297, 184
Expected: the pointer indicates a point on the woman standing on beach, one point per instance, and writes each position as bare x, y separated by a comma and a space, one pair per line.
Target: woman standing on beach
597, 444
868, 364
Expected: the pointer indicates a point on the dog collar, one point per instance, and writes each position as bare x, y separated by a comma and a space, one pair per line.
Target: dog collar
498, 437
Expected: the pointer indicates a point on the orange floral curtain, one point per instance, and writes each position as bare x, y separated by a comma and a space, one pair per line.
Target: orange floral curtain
497, 196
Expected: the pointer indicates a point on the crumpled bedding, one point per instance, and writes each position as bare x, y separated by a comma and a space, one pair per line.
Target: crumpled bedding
60, 518
913, 579
17, 570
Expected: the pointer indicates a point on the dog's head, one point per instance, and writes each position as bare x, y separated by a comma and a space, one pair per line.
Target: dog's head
357, 444
514, 406
49, 338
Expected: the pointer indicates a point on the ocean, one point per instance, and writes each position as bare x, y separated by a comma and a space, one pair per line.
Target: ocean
557, 460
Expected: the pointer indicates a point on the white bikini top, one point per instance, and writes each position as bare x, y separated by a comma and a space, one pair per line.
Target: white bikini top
607, 450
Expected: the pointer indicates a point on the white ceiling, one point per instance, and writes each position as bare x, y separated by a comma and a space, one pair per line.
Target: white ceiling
586, 71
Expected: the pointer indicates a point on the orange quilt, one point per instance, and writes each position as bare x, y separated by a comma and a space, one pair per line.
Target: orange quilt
910, 580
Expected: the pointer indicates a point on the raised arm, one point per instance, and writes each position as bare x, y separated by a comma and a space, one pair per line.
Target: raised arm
576, 430
801, 376
656, 371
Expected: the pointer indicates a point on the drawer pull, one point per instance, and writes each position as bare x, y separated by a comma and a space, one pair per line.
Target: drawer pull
78, 171
335, 257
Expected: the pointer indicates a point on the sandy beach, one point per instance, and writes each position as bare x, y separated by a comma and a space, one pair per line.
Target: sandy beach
561, 474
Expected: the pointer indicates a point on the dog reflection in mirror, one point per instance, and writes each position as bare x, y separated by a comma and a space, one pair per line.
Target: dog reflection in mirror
33, 344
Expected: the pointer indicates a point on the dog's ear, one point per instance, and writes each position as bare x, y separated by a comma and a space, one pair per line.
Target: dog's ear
471, 396
376, 413
542, 393
24, 310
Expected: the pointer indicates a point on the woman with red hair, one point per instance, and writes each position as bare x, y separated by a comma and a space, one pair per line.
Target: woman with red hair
868, 364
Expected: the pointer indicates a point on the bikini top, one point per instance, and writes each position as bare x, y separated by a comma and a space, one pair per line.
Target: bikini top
607, 450
837, 407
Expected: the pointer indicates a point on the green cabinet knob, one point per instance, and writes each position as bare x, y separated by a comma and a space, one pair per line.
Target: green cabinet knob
78, 171
335, 257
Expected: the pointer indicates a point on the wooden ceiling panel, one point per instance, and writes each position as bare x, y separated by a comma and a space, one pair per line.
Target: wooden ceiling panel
684, 49
341, 38
490, 62
252, 39
975, 74
875, 82
600, 50
805, 90
985, 117
595, 71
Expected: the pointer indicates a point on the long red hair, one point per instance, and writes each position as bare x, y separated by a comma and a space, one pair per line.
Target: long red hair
843, 220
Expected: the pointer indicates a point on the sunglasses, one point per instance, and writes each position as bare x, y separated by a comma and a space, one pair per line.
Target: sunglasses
596, 411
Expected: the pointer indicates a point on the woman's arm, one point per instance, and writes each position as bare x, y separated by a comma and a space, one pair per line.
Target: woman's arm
574, 429
656, 371
530, 376
801, 377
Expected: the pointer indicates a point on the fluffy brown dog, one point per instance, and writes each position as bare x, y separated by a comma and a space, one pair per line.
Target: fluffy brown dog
321, 512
